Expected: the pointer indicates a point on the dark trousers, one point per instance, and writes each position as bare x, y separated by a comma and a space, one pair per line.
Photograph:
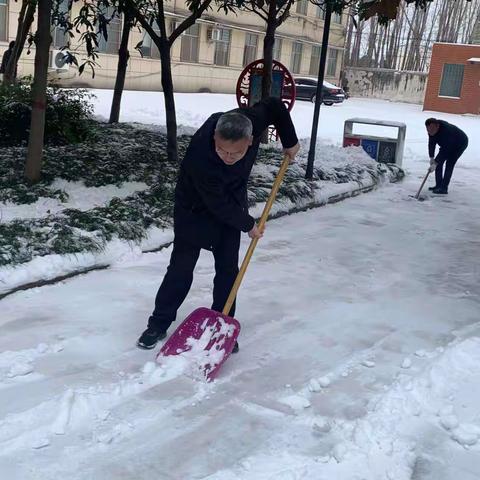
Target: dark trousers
179, 277
442, 179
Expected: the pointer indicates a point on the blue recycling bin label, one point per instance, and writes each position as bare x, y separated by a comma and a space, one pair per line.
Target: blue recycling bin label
371, 147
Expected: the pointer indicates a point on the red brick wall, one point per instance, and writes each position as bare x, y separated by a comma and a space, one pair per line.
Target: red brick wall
469, 101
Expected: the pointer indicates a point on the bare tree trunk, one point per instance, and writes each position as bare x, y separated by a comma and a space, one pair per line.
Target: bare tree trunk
25, 20
471, 16
167, 85
421, 37
418, 31
411, 42
268, 43
452, 29
395, 55
123, 56
355, 56
372, 41
403, 40
407, 59
427, 47
441, 21
39, 92
380, 58
348, 42
446, 18
393, 43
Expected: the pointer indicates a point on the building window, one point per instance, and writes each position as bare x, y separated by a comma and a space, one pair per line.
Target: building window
337, 17
296, 57
190, 44
59, 19
222, 48
452, 80
302, 7
250, 50
3, 20
277, 49
114, 30
332, 62
315, 60
149, 49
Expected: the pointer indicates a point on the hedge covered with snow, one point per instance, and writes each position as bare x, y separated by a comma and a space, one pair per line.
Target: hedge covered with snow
128, 153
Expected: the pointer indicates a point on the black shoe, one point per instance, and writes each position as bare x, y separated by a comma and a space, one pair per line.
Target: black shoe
440, 191
433, 188
236, 348
149, 338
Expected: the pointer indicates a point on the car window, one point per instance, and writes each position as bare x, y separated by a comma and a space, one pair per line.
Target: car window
329, 85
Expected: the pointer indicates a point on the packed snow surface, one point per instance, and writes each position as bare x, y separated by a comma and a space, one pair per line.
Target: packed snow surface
359, 352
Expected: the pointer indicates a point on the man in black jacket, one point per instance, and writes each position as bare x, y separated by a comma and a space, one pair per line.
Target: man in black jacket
211, 207
6, 57
452, 142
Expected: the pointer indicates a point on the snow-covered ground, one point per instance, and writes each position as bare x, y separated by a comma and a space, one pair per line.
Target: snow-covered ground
360, 344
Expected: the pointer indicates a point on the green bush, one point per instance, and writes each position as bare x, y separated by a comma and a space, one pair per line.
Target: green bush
67, 116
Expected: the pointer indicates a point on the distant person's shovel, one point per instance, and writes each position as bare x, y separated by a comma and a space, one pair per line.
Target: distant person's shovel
206, 338
417, 196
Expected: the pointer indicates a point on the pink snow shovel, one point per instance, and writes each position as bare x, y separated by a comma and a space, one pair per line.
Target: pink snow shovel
207, 336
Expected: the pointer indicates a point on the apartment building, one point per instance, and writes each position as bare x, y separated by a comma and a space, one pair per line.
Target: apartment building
209, 57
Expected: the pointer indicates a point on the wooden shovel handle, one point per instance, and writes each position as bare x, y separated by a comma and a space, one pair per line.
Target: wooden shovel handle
253, 243
423, 183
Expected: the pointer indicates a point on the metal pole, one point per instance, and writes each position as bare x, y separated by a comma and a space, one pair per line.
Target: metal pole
318, 96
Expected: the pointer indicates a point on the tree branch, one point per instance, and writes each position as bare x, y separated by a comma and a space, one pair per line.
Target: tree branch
189, 21
143, 21
285, 13
257, 12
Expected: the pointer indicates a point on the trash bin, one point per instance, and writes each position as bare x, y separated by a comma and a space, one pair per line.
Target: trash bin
381, 149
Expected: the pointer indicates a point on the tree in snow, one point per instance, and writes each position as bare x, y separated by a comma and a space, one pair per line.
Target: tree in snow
43, 39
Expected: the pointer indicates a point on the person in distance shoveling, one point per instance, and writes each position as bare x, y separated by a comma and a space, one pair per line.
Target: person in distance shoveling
452, 142
211, 208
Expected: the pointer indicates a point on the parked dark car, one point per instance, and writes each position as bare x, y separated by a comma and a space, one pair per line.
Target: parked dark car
307, 90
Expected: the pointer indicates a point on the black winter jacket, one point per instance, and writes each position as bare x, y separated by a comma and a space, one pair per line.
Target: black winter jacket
210, 194
449, 137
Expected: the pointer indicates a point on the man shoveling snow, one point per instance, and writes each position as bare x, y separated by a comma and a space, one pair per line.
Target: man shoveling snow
211, 207
452, 142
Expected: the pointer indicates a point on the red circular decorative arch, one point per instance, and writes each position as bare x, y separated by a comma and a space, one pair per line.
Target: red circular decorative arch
249, 84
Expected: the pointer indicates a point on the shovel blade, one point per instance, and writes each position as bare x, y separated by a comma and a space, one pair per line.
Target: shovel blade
207, 335
419, 198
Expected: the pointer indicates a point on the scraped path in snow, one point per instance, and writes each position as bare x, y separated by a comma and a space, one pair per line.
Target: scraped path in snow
345, 311
359, 360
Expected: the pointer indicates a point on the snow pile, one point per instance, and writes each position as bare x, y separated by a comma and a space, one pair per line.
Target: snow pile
386, 442
80, 406
21, 363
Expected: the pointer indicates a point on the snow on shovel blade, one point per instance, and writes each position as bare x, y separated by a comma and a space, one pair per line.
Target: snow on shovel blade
207, 336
